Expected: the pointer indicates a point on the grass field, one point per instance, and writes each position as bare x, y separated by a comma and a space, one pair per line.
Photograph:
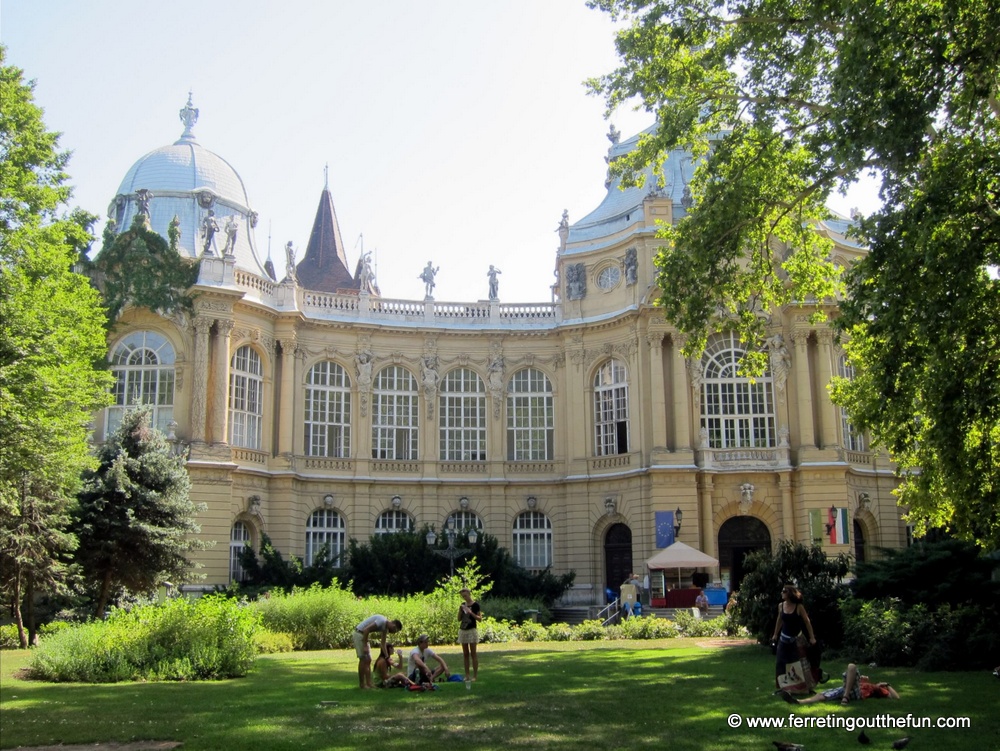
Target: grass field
566, 695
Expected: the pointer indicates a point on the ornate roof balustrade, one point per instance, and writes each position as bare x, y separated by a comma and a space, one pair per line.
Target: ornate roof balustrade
369, 308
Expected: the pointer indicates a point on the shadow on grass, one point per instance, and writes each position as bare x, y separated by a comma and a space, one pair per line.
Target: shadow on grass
587, 697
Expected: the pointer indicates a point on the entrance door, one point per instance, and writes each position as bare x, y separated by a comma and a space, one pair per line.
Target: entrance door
738, 537
617, 556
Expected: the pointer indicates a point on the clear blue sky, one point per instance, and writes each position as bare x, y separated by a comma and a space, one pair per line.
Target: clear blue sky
455, 132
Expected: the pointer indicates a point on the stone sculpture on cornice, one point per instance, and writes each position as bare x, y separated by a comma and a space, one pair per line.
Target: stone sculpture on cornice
563, 230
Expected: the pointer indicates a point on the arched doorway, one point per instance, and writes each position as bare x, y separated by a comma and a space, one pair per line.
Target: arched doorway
738, 537
859, 542
617, 556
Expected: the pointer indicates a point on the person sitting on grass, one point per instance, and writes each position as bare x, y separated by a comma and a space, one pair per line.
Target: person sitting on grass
417, 668
855, 687
383, 665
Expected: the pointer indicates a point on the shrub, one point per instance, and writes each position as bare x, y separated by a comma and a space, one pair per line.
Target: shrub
649, 628
270, 642
690, 625
817, 576
209, 638
8, 637
515, 609
590, 631
888, 632
531, 631
497, 632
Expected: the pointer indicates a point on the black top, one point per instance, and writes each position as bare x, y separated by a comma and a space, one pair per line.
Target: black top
467, 622
791, 623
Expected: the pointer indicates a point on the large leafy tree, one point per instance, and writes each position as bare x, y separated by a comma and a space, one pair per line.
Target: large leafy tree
136, 522
52, 344
810, 95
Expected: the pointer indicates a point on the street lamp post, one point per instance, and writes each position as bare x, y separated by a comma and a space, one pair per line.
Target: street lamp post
451, 552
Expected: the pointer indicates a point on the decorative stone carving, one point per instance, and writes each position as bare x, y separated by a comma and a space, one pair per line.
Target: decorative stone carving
576, 281
631, 267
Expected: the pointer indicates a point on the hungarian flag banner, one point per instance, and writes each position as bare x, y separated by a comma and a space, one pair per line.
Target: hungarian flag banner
829, 526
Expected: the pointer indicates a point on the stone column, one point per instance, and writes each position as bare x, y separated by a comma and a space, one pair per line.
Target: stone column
705, 509
787, 508
286, 397
803, 389
658, 389
199, 389
680, 392
220, 367
828, 416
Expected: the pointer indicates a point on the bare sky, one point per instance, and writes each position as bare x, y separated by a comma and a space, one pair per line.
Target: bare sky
455, 132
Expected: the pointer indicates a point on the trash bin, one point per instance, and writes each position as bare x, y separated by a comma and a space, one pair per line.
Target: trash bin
531, 615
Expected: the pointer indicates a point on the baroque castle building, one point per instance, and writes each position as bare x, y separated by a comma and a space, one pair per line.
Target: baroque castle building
312, 409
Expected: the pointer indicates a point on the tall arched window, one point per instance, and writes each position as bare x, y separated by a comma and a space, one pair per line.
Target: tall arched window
328, 411
854, 440
462, 417
610, 410
736, 411
532, 538
393, 521
394, 414
143, 366
325, 527
464, 520
530, 420
239, 538
246, 399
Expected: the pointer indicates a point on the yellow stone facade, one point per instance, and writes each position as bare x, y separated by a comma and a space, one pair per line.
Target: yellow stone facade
601, 504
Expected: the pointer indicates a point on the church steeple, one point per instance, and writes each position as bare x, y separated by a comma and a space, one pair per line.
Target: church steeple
324, 267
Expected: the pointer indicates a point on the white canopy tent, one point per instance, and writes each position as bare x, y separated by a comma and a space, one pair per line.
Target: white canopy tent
680, 556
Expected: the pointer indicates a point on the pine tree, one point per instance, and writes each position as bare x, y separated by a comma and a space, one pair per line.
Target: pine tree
136, 521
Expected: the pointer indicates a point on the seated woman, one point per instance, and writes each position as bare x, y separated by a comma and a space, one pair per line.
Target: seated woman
383, 665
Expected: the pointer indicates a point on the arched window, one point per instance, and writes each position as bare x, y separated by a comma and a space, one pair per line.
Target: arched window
239, 538
246, 399
532, 538
464, 520
530, 420
325, 527
394, 414
854, 440
462, 417
610, 410
736, 411
393, 521
143, 366
328, 411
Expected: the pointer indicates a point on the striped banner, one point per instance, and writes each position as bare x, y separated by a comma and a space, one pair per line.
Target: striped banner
829, 526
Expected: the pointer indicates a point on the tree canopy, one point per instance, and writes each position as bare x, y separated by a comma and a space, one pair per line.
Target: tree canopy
784, 102
52, 350
136, 522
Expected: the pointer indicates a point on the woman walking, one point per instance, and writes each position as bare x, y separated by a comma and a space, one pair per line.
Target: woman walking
792, 621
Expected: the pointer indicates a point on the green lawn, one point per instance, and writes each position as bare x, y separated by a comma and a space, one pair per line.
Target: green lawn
565, 695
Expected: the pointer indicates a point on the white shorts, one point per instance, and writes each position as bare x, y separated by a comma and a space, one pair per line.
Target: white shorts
361, 645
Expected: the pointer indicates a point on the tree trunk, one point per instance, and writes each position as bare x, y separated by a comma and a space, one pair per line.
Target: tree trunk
29, 612
22, 637
102, 599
